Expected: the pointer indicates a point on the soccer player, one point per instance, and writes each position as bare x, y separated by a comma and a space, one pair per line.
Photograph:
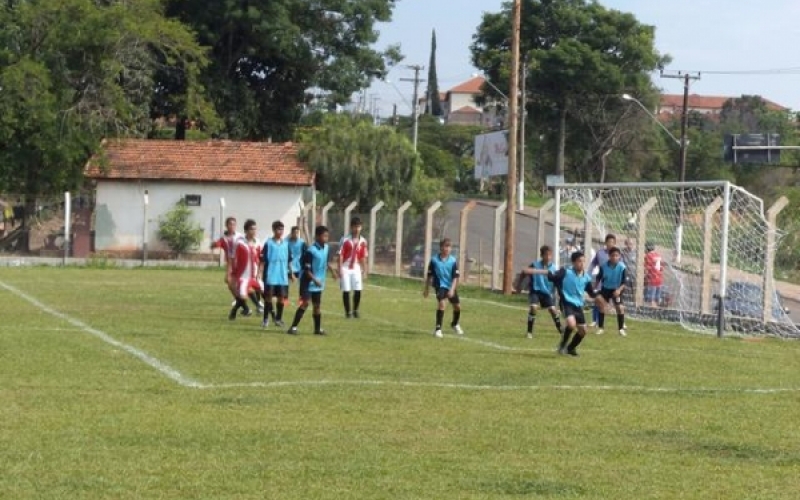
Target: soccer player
653, 275
600, 258
541, 289
226, 243
245, 269
352, 267
572, 284
611, 280
443, 275
276, 269
312, 279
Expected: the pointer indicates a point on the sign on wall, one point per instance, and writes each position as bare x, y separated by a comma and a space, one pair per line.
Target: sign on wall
491, 154
192, 200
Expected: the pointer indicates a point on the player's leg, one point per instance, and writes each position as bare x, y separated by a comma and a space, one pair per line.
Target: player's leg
455, 301
554, 314
267, 305
357, 286
316, 300
569, 318
305, 298
595, 315
280, 302
441, 299
580, 333
346, 285
601, 316
533, 306
241, 299
620, 308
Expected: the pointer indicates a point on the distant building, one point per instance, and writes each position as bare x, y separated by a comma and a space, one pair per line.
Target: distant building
670, 106
460, 105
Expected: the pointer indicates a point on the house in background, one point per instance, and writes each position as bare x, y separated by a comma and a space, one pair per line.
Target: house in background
460, 105
670, 106
260, 181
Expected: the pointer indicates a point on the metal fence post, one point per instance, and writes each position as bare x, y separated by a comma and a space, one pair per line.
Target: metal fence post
373, 221
398, 242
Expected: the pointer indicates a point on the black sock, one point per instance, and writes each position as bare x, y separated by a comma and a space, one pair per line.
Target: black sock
576, 341
317, 322
356, 299
456, 317
254, 298
565, 337
267, 309
242, 304
346, 300
279, 306
439, 318
531, 321
298, 315
621, 321
601, 320
557, 321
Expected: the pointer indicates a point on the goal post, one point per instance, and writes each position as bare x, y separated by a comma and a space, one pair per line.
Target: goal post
699, 253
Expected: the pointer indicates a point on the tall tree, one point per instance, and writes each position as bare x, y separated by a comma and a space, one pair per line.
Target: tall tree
433, 104
267, 54
578, 51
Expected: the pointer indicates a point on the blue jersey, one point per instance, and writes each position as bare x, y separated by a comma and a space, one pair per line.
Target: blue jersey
572, 286
275, 257
539, 282
612, 277
315, 259
296, 250
443, 271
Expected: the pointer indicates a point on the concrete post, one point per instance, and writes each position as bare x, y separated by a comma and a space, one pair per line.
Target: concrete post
542, 224
587, 224
398, 242
325, 210
767, 286
640, 249
498, 239
429, 235
708, 238
462, 239
346, 222
373, 229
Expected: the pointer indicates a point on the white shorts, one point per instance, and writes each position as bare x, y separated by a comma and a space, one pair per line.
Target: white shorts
244, 285
351, 280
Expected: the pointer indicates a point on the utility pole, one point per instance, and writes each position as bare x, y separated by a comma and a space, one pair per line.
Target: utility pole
687, 79
394, 115
513, 137
415, 106
522, 120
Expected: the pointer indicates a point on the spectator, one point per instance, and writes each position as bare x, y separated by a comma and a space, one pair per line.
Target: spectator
654, 276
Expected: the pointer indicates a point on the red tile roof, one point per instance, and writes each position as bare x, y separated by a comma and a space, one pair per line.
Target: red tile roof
467, 110
472, 86
708, 102
202, 161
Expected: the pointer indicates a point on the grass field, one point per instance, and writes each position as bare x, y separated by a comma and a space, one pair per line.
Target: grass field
130, 384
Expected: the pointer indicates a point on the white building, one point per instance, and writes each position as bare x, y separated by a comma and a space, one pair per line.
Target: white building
260, 181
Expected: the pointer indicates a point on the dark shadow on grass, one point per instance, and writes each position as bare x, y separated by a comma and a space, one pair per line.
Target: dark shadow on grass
524, 487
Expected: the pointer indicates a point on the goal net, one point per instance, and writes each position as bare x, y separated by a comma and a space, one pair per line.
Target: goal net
673, 243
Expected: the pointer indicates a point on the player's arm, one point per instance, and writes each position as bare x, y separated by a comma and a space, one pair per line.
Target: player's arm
599, 278
340, 252
454, 280
428, 280
263, 266
556, 277
333, 270
365, 261
306, 265
591, 292
624, 279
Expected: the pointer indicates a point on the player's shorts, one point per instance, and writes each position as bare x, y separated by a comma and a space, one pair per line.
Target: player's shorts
351, 280
307, 295
276, 290
608, 296
576, 312
652, 293
441, 294
244, 285
543, 299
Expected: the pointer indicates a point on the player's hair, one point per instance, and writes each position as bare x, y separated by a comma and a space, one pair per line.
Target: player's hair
320, 231
295, 228
575, 256
229, 220
614, 250
277, 225
355, 221
543, 251
649, 247
609, 237
445, 243
248, 224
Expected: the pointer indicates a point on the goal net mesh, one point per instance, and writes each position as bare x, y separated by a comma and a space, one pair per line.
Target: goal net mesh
667, 285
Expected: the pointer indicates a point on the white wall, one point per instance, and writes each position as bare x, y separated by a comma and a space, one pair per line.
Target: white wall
119, 211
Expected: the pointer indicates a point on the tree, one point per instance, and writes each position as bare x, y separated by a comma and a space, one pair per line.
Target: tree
176, 229
578, 52
357, 161
266, 54
73, 72
433, 104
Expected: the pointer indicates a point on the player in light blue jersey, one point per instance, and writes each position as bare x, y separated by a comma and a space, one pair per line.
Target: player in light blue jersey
443, 276
540, 293
276, 258
611, 280
316, 264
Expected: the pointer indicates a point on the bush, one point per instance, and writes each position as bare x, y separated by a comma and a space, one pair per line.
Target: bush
176, 229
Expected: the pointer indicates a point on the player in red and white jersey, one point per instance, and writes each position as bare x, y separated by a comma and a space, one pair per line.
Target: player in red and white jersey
352, 267
245, 269
226, 243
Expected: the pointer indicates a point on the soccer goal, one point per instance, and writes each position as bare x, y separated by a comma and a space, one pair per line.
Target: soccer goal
701, 254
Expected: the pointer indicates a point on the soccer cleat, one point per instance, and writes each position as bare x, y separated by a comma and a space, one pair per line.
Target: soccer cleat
320, 332
622, 332
232, 314
355, 314
348, 315
572, 352
265, 323
593, 324
529, 335
233, 303
247, 312
438, 333
458, 329
599, 331
562, 349
279, 323
292, 331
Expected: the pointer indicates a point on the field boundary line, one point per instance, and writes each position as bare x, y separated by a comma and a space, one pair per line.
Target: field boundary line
147, 359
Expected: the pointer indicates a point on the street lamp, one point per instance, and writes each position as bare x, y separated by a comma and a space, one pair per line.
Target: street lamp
683, 145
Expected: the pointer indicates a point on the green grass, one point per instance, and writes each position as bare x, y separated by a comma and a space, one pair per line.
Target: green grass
662, 414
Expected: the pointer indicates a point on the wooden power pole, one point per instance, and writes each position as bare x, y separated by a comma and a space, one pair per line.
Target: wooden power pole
513, 138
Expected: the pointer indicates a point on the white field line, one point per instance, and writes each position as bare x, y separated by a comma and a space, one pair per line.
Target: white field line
147, 359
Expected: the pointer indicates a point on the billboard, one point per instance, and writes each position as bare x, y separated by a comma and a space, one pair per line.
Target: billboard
491, 154
755, 148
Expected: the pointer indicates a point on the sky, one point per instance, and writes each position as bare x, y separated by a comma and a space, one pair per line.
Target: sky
699, 35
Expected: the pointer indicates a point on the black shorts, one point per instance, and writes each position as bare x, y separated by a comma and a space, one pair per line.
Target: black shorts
576, 312
275, 290
608, 296
545, 300
307, 295
441, 294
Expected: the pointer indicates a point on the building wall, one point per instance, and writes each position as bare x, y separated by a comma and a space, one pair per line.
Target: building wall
119, 210
460, 100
